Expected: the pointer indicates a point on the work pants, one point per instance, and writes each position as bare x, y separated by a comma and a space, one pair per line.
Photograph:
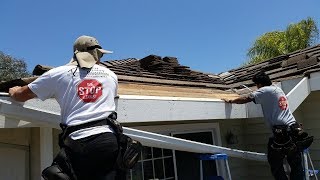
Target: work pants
275, 159
94, 157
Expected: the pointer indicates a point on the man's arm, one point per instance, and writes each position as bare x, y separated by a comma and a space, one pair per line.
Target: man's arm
21, 94
239, 100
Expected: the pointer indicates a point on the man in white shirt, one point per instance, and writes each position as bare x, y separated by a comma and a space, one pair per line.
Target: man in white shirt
85, 92
288, 137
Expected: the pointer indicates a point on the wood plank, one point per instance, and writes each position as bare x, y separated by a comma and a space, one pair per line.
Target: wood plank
172, 91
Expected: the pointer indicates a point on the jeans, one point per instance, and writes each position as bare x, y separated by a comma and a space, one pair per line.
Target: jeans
275, 159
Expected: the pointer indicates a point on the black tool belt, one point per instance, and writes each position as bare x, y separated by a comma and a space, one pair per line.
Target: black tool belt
292, 136
281, 135
300, 137
111, 120
129, 149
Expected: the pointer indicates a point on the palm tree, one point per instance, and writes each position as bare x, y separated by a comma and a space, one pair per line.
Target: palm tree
296, 36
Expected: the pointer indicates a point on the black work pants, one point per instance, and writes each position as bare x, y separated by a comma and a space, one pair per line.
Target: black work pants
94, 157
275, 159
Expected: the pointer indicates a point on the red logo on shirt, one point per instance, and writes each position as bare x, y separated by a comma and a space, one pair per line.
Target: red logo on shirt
89, 90
283, 104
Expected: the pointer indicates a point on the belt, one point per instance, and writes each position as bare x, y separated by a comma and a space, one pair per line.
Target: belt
67, 130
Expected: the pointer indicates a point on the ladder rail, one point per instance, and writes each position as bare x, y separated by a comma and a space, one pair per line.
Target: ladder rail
306, 157
215, 157
315, 174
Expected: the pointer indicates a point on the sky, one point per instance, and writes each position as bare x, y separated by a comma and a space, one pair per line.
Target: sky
207, 35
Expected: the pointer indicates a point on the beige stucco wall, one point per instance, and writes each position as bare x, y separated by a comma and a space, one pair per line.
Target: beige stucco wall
256, 135
252, 135
309, 114
238, 167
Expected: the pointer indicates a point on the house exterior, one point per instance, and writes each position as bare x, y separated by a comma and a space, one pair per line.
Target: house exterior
159, 95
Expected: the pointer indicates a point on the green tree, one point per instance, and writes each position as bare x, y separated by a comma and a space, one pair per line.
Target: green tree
271, 44
12, 68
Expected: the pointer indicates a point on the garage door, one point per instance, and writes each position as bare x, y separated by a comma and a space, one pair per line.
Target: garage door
14, 162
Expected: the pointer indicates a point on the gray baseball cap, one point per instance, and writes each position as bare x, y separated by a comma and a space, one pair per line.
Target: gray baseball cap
83, 49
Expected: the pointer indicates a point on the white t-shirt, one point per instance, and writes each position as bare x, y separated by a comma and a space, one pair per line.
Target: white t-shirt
84, 95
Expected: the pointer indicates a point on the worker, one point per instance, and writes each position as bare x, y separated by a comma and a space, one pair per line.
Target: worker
86, 94
289, 139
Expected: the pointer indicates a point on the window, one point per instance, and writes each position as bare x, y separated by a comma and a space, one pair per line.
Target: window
165, 164
155, 164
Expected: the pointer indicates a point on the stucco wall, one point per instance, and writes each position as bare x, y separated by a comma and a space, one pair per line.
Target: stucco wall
238, 167
256, 135
309, 114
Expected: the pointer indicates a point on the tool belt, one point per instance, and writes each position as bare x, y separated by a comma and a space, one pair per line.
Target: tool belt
300, 137
290, 138
111, 120
129, 149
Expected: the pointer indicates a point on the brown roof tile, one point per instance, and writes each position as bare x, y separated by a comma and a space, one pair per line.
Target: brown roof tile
292, 65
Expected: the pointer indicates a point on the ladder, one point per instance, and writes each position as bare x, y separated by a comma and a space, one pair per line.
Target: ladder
308, 172
213, 157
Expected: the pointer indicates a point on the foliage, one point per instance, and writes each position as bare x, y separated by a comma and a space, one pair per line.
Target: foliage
272, 44
12, 68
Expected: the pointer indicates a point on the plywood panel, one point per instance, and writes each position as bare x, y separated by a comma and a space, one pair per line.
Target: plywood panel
173, 91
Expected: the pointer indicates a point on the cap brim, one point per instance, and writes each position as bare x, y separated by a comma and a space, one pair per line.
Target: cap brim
85, 60
103, 51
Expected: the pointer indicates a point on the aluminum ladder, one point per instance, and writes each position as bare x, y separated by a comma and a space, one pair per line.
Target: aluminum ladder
308, 172
213, 157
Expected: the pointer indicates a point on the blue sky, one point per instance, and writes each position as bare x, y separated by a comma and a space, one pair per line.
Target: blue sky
206, 35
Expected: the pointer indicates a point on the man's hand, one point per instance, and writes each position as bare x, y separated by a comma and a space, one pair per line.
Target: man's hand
13, 90
21, 94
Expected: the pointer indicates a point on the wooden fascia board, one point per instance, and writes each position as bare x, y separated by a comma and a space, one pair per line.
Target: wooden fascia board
298, 94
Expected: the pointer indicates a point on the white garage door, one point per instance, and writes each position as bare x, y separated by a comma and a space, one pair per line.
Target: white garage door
14, 162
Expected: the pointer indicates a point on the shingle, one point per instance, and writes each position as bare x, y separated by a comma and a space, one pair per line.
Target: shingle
307, 62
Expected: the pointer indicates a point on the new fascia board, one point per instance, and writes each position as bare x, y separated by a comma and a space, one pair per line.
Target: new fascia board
147, 110
298, 94
20, 111
315, 81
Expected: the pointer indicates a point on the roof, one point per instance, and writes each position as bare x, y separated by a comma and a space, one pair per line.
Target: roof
290, 66
154, 75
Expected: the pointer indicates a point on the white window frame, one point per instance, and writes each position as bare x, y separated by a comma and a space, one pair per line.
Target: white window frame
170, 130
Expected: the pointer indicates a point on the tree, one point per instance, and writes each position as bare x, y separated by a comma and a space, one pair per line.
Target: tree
12, 68
296, 36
